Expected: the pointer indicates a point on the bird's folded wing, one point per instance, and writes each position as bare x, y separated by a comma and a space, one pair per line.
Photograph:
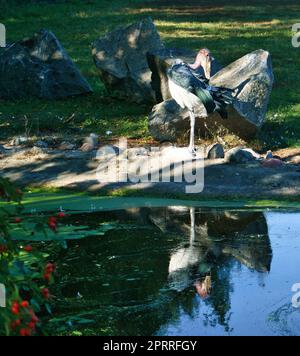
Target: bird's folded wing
182, 75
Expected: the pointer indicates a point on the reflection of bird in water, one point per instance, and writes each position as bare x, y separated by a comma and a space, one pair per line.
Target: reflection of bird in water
190, 89
186, 256
184, 261
203, 287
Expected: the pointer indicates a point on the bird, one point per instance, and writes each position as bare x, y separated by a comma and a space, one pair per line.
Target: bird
189, 87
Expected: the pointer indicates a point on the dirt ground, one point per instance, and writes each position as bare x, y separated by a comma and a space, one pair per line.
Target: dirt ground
77, 170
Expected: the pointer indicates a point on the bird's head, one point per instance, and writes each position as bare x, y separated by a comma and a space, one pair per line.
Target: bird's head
204, 60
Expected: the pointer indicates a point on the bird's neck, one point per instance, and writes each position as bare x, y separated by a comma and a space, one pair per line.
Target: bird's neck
195, 65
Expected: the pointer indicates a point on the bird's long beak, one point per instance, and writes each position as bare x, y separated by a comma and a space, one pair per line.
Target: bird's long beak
207, 67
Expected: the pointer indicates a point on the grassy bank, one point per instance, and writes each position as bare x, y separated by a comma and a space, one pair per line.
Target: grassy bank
229, 29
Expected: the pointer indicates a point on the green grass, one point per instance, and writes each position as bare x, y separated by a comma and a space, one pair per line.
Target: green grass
229, 29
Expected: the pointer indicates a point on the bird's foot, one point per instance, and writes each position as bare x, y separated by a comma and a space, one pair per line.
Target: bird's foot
193, 151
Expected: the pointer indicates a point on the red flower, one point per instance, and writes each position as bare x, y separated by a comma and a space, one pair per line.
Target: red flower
52, 223
31, 325
47, 276
15, 308
25, 332
61, 215
17, 220
34, 318
45, 293
15, 324
28, 248
50, 267
24, 304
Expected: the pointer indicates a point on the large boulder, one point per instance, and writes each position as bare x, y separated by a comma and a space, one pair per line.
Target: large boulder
121, 58
160, 61
251, 75
39, 66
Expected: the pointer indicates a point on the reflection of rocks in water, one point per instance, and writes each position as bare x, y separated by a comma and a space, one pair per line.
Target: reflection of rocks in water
241, 235
214, 241
134, 267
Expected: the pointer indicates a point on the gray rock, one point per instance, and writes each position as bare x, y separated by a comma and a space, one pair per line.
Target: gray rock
66, 146
90, 143
41, 144
241, 155
215, 151
160, 61
39, 66
18, 141
251, 75
168, 122
2, 150
121, 58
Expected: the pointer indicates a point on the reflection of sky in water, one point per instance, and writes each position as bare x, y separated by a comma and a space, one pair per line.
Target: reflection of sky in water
184, 271
260, 302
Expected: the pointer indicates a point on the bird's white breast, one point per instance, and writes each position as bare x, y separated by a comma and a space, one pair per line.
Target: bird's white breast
183, 97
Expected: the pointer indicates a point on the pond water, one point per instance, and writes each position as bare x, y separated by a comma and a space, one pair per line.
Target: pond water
180, 271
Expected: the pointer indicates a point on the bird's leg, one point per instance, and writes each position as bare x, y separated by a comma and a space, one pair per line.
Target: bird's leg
192, 133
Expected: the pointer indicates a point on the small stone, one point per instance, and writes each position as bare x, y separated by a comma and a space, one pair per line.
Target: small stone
2, 152
18, 141
35, 151
215, 151
41, 144
269, 155
272, 163
66, 146
90, 143
241, 155
137, 152
108, 152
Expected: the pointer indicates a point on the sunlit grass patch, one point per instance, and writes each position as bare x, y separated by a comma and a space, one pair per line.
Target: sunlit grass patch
229, 29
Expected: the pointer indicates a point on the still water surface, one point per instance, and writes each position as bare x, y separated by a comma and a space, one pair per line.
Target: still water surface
182, 271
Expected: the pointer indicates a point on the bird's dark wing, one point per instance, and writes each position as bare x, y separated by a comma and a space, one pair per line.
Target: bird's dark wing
213, 98
182, 75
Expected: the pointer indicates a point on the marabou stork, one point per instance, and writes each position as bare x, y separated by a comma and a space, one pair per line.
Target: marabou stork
190, 88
